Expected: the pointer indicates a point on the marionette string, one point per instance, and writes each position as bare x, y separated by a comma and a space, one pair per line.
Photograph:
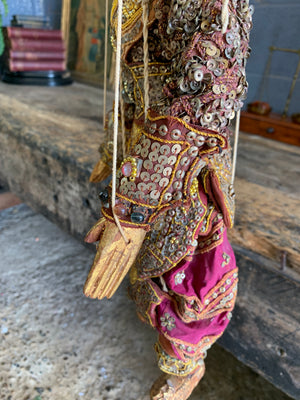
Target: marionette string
225, 22
122, 106
146, 56
105, 63
235, 146
225, 16
117, 97
116, 119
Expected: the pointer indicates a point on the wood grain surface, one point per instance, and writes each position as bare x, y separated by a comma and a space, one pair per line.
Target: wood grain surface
272, 126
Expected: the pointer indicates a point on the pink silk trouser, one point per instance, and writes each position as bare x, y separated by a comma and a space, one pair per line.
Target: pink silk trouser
190, 306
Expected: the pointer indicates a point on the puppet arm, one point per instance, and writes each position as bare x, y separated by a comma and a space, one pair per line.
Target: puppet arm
182, 156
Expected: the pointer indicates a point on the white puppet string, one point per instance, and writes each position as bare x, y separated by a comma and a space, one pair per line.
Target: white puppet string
116, 119
117, 96
225, 16
225, 21
105, 63
122, 107
235, 146
146, 56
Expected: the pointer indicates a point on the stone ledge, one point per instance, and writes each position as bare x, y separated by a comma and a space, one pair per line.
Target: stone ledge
60, 345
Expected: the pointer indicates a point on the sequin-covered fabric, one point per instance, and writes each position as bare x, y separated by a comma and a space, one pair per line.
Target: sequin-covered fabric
176, 180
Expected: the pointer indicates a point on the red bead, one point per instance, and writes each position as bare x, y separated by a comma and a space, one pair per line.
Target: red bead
127, 169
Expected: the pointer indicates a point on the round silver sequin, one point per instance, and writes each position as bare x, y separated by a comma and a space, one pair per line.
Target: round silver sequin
175, 134
229, 104
180, 174
123, 189
216, 89
193, 151
223, 89
152, 128
153, 156
229, 37
165, 149
164, 182
229, 53
167, 196
138, 148
142, 186
172, 160
151, 186
124, 181
211, 64
145, 176
158, 168
155, 146
199, 141
186, 118
155, 178
163, 130
177, 185
131, 185
167, 171
163, 159
139, 195
155, 194
177, 196
212, 142
144, 152
207, 118
184, 161
146, 142
198, 75
176, 149
191, 135
148, 164
218, 72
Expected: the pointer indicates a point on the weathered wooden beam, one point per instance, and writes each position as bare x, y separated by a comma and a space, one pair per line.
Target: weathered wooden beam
264, 332
48, 148
267, 221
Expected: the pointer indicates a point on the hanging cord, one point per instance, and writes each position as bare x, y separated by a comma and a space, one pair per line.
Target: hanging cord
116, 120
235, 146
225, 22
105, 63
225, 16
122, 106
146, 56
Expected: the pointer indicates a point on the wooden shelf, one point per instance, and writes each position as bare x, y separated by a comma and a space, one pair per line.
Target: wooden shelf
272, 126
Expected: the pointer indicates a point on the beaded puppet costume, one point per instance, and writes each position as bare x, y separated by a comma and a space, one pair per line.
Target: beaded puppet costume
174, 197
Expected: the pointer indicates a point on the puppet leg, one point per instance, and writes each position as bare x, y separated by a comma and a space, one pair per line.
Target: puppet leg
190, 307
176, 387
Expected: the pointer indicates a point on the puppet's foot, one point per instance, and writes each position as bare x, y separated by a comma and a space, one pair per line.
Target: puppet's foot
172, 387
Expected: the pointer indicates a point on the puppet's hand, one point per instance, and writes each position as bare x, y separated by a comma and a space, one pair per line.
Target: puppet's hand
113, 259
